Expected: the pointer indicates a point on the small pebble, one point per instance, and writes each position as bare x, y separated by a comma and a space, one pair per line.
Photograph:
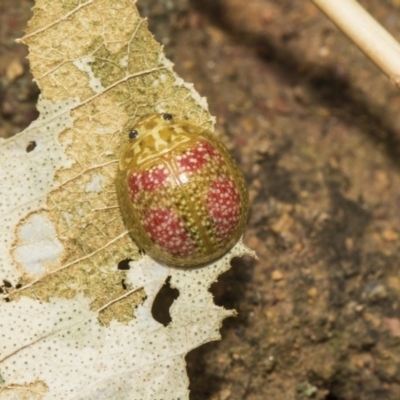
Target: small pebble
276, 275
312, 293
390, 235
14, 70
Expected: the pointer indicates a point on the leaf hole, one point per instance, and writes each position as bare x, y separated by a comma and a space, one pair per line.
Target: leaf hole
203, 384
6, 283
124, 284
124, 264
230, 289
18, 98
31, 146
162, 303
331, 397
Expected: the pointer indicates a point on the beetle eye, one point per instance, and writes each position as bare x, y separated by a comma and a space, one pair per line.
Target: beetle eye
167, 117
133, 134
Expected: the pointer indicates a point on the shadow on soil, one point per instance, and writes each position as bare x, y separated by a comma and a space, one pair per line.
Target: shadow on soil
330, 86
228, 292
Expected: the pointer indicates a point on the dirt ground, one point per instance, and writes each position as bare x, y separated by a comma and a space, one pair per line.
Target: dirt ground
316, 129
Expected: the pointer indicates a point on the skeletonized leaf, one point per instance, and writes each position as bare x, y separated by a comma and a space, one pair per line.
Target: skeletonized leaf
69, 328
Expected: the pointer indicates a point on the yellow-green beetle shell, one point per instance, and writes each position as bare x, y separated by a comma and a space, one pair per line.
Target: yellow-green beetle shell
182, 195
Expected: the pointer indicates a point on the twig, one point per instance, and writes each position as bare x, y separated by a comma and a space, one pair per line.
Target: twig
381, 47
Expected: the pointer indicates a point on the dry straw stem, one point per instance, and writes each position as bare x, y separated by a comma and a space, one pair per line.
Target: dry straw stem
381, 47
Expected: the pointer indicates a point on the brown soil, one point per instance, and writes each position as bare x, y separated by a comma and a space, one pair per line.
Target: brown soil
18, 94
316, 129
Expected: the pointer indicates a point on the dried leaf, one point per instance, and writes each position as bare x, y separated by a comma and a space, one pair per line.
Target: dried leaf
69, 328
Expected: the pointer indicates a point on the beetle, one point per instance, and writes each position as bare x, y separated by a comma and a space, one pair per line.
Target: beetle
182, 195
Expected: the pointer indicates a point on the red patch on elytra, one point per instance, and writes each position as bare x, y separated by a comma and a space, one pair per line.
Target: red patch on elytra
196, 157
168, 231
223, 205
146, 181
